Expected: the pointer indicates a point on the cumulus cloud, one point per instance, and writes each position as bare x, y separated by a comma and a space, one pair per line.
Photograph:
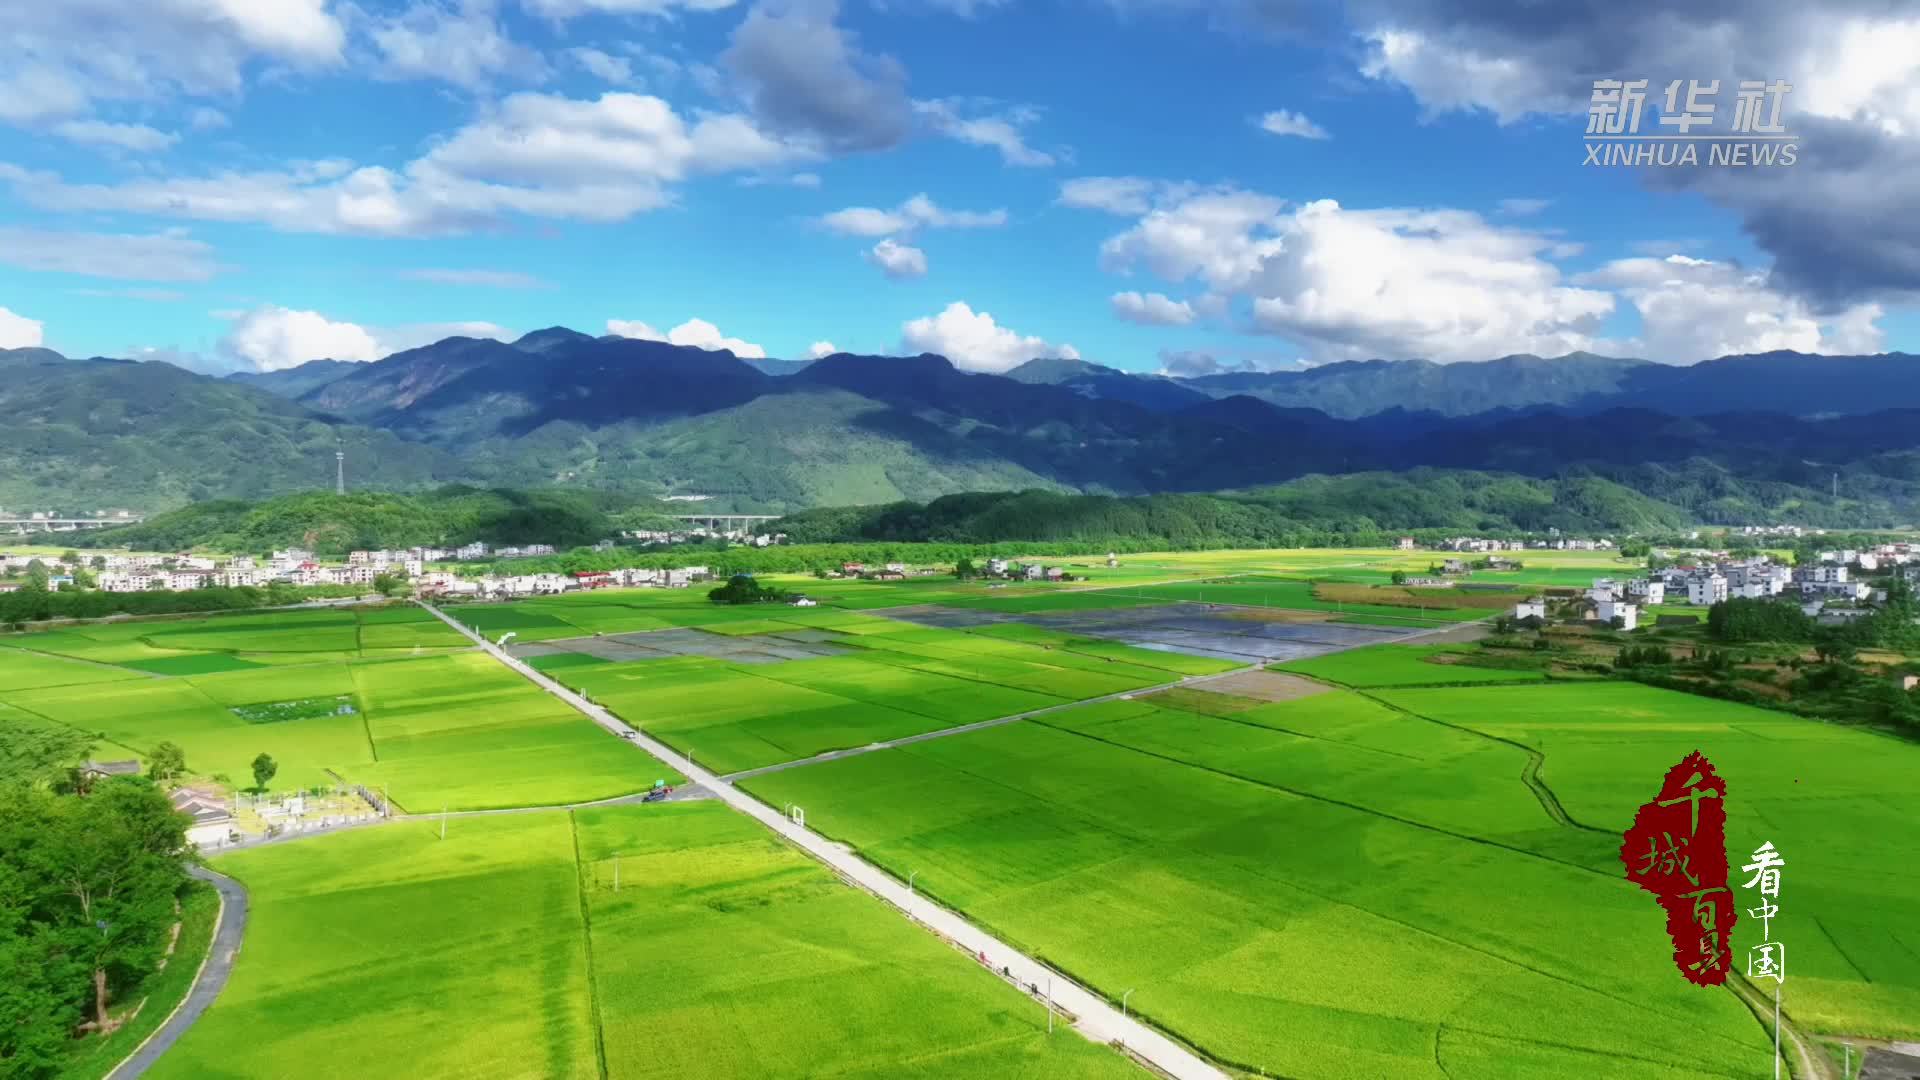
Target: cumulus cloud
491, 279
1283, 122
1152, 309
972, 340
170, 255
821, 349
898, 261
18, 331
1440, 284
1696, 309
698, 333
1837, 229
1125, 196
1001, 130
916, 213
1523, 207
563, 9
460, 42
135, 137
803, 75
67, 57
203, 118
602, 159
272, 338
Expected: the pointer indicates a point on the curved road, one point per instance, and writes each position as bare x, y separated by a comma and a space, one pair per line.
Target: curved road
1095, 1018
207, 984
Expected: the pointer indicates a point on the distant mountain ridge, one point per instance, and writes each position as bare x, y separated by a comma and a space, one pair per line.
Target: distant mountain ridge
1740, 439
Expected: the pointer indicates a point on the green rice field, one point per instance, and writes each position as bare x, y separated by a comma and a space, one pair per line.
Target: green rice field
904, 681
1414, 883
505, 951
1405, 665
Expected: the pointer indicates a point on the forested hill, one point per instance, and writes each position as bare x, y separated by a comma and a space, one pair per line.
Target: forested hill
332, 525
1359, 509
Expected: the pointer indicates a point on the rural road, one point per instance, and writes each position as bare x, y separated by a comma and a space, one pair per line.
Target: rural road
230, 926
1097, 1020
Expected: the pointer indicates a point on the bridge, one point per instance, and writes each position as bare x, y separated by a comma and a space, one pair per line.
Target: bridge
22, 526
727, 522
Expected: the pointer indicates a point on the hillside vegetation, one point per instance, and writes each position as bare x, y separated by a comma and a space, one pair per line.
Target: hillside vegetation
333, 525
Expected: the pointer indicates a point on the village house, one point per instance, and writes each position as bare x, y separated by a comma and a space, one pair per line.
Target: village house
1535, 608
210, 822
1454, 566
1647, 591
1032, 572
1405, 543
1706, 590
1628, 614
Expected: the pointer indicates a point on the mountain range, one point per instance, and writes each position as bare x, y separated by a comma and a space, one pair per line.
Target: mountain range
1741, 438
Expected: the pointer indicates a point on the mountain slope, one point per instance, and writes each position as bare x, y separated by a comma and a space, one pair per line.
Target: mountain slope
93, 434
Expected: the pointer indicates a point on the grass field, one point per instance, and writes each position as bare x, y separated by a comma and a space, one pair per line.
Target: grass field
456, 730
1839, 803
899, 680
504, 951
1404, 665
206, 644
1331, 887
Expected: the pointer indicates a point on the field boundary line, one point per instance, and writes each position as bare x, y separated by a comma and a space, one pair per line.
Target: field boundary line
1100, 1022
978, 725
205, 986
77, 660
586, 929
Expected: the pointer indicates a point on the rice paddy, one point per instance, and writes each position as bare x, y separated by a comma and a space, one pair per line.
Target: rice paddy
1407, 665
505, 951
1351, 884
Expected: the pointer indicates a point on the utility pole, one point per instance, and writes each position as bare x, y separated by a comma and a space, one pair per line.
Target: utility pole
339, 467
616, 871
1776, 1029
910, 878
443, 821
1049, 1004
1123, 1003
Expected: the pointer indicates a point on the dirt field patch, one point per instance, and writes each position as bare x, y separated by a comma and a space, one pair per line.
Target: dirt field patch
1263, 686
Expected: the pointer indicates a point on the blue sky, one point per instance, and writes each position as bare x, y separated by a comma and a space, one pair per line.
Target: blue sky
1151, 184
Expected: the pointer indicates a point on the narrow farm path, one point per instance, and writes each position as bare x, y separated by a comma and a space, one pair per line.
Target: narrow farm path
1094, 1017
981, 725
228, 929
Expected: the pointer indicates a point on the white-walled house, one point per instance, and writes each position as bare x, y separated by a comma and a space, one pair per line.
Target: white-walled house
1647, 591
1628, 614
1530, 609
1708, 590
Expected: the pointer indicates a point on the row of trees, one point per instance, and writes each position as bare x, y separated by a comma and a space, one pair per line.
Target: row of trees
34, 604
90, 874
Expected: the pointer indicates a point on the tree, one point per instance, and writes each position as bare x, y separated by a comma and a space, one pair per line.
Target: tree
1399, 577
263, 769
1833, 645
392, 583
743, 589
35, 754
98, 876
166, 762
965, 570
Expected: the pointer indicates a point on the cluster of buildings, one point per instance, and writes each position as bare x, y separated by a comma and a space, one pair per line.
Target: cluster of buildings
650, 537
1032, 571
1554, 542
293, 566
492, 586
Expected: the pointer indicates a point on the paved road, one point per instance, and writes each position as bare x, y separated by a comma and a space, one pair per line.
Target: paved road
1097, 1020
212, 977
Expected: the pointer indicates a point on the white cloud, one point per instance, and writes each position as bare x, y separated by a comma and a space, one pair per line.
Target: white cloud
491, 279
65, 57
1440, 284
603, 66
18, 331
599, 160
203, 118
917, 212
163, 256
272, 338
697, 333
1152, 309
136, 137
972, 340
562, 9
1222, 237
821, 349
1696, 309
898, 261
1000, 131
1125, 195
458, 42
1283, 122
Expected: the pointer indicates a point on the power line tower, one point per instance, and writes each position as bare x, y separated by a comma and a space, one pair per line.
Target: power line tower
339, 467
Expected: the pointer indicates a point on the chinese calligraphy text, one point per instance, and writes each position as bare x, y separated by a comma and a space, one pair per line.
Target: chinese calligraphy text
1677, 850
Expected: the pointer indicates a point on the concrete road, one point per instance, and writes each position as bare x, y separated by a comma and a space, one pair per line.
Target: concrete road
1096, 1019
207, 984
